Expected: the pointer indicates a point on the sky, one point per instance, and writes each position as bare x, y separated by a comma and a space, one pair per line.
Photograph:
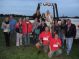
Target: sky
28, 7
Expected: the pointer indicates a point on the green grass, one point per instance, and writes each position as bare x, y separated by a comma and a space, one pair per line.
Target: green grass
14, 52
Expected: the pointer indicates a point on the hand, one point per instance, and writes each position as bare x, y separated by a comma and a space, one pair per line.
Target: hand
58, 43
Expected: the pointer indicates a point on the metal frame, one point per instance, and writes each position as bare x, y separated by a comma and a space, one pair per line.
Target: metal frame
54, 7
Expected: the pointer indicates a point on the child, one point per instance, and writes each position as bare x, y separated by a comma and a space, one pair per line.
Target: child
19, 32
55, 44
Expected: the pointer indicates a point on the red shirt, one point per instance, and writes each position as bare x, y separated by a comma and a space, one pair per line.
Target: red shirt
26, 26
53, 44
45, 37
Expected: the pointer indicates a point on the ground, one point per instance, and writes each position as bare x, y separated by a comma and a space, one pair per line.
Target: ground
14, 52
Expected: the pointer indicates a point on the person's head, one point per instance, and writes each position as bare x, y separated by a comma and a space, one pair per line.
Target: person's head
56, 22
20, 19
42, 22
24, 19
63, 21
27, 19
6, 19
68, 21
47, 29
11, 17
56, 36
59, 22
36, 20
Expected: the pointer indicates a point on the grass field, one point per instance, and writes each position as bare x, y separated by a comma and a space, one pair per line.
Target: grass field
14, 52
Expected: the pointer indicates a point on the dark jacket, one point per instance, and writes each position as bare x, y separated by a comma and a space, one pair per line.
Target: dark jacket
42, 28
19, 28
71, 32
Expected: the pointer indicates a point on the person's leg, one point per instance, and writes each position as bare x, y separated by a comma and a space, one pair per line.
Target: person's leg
50, 54
45, 48
5, 35
28, 38
20, 39
7, 40
17, 39
69, 42
58, 52
39, 46
25, 39
63, 39
13, 36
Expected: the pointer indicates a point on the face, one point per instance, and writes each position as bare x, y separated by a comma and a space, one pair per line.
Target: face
42, 22
56, 23
62, 21
6, 19
20, 20
11, 17
46, 29
24, 19
59, 22
36, 19
68, 22
56, 35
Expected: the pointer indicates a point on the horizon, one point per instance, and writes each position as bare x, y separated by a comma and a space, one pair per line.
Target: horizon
28, 7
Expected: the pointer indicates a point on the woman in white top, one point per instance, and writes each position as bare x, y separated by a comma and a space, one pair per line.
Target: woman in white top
6, 30
49, 19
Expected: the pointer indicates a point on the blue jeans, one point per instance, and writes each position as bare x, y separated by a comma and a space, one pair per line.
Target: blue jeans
62, 37
26, 39
69, 42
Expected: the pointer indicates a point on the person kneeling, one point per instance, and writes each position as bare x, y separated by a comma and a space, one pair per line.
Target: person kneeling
44, 38
55, 46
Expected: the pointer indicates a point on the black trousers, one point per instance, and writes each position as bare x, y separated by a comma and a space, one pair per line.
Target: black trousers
7, 38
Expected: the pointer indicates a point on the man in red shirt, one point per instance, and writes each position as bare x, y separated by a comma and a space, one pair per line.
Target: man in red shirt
26, 30
54, 45
44, 38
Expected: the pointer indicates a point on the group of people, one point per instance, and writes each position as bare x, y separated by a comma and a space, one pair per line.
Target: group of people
16, 30
48, 34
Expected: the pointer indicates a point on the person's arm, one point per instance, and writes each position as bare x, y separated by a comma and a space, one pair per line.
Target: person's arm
15, 22
40, 37
49, 48
74, 30
59, 43
3, 25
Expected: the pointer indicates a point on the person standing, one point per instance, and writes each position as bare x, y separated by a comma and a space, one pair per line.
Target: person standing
48, 19
6, 29
42, 26
62, 32
26, 30
70, 33
35, 30
56, 27
12, 29
19, 32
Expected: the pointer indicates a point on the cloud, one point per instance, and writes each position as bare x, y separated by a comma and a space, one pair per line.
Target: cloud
28, 7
